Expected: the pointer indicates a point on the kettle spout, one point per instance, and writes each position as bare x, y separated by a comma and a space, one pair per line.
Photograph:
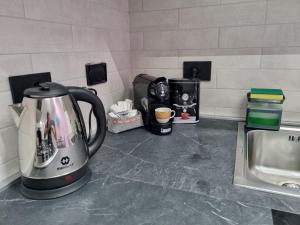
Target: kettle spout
17, 111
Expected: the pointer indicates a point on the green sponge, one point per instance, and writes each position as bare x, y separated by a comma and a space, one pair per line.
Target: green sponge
265, 91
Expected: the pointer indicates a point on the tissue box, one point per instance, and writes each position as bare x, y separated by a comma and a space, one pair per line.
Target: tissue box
123, 123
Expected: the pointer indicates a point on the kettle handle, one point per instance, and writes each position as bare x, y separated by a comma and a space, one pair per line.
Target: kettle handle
81, 94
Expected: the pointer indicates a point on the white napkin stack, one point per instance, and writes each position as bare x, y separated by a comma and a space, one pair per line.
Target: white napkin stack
123, 108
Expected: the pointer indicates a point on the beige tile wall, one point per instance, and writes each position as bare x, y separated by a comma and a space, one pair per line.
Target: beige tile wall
232, 77
60, 36
251, 43
235, 26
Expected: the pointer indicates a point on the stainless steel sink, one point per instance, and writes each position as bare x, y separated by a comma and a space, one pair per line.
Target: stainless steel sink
269, 160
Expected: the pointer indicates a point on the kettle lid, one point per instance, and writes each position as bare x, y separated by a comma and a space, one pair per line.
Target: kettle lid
46, 90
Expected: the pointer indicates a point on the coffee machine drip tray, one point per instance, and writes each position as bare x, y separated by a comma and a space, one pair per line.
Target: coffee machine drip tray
191, 119
161, 128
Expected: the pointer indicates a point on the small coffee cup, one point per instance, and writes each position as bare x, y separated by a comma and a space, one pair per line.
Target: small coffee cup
185, 116
164, 114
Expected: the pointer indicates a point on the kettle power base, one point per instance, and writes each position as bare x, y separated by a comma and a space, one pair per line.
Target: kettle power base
57, 192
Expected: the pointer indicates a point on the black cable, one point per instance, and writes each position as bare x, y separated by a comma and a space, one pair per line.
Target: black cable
90, 116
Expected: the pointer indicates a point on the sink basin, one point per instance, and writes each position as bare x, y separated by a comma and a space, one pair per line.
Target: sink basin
269, 160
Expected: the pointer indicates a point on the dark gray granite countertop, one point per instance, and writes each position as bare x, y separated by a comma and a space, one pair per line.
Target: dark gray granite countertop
142, 179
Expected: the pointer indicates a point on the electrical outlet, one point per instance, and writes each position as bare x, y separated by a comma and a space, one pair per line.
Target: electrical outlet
96, 73
18, 84
197, 70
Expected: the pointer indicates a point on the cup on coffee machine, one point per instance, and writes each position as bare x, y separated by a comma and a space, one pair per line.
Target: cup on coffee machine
164, 114
185, 116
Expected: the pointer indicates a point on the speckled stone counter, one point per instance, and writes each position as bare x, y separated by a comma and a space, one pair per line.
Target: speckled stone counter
142, 179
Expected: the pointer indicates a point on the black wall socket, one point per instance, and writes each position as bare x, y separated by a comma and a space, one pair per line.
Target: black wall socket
96, 73
18, 84
197, 70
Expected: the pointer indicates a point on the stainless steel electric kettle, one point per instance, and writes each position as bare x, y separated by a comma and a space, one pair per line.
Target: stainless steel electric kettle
53, 145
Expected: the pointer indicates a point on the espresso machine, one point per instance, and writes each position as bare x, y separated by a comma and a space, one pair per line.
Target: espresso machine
185, 99
150, 93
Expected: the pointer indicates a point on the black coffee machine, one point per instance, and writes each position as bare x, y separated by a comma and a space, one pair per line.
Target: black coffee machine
151, 93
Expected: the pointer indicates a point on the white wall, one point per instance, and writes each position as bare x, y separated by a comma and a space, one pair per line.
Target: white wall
60, 36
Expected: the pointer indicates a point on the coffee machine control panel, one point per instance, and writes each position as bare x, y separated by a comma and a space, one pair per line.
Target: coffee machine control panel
185, 97
160, 90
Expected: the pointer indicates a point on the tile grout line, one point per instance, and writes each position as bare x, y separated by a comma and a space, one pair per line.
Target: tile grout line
179, 19
119, 29
66, 52
31, 62
219, 37
23, 5
164, 28
201, 6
